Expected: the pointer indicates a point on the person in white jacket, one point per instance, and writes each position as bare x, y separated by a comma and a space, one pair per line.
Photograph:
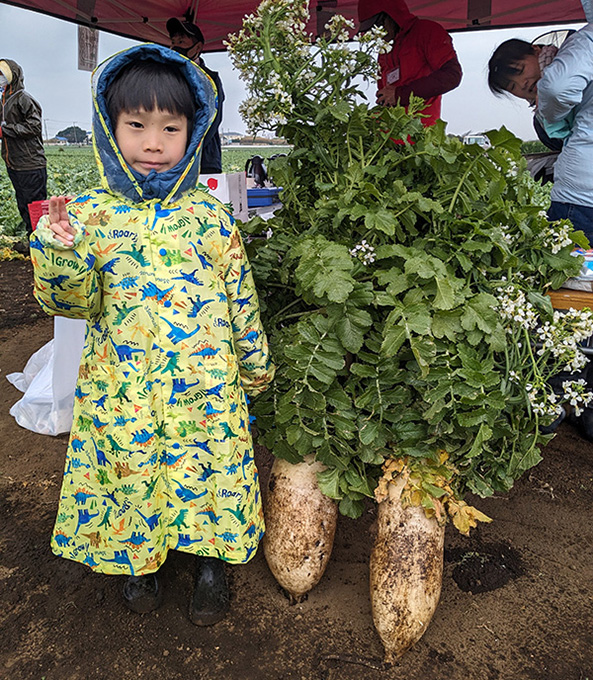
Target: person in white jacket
566, 86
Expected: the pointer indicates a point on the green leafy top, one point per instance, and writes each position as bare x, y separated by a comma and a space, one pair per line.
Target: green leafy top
402, 283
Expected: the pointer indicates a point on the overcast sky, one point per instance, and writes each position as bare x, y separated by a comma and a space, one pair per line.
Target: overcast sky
46, 49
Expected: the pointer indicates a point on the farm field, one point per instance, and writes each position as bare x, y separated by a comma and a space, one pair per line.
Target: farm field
516, 600
71, 170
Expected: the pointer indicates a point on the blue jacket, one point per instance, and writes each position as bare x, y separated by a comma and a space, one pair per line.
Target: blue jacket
567, 85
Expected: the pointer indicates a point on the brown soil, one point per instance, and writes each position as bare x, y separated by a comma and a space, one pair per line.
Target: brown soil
516, 600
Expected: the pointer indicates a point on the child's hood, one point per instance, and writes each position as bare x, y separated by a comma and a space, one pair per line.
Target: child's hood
116, 175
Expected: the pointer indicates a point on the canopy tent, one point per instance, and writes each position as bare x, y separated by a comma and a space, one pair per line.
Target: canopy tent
145, 20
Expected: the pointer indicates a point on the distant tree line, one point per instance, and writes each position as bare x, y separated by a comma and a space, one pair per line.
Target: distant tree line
73, 134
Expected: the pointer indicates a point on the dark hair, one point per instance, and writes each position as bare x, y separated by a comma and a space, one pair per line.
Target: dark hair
503, 63
148, 84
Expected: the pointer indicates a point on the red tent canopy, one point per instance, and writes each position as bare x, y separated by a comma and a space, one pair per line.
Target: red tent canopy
145, 19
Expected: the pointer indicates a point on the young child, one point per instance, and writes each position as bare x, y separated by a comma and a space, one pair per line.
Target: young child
160, 454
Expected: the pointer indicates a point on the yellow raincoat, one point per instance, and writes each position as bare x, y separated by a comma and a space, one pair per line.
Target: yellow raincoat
160, 455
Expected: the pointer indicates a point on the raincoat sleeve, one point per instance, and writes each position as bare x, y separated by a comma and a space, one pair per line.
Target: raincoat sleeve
66, 282
562, 85
251, 344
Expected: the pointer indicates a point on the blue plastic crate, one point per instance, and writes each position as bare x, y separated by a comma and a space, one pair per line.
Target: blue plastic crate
265, 196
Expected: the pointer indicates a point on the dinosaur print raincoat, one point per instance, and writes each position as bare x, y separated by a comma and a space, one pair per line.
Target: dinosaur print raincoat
160, 454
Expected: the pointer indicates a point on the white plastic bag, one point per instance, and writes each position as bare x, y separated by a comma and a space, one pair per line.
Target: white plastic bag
49, 380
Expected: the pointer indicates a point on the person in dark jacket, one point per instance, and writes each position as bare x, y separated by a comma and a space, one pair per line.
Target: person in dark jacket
422, 61
22, 143
188, 39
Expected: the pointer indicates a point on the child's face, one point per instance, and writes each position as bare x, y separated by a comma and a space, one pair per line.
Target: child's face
151, 140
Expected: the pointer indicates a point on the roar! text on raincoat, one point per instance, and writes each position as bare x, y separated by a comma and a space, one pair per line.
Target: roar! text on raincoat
160, 455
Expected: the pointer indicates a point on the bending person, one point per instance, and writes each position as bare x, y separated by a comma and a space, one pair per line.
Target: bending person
566, 88
422, 61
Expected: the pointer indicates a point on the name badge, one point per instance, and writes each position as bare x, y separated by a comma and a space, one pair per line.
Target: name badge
393, 76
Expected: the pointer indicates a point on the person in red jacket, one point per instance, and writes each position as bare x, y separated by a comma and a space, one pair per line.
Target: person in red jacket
422, 60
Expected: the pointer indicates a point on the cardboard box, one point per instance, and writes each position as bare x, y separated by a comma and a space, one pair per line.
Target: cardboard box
230, 189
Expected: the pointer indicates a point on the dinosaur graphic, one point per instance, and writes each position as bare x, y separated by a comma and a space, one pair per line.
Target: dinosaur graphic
245, 462
244, 271
101, 457
142, 437
121, 557
171, 459
136, 254
207, 472
77, 444
200, 445
216, 390
82, 496
227, 430
179, 386
206, 351
125, 352
151, 522
61, 539
84, 517
171, 365
197, 306
90, 561
186, 495
126, 283
212, 516
179, 521
135, 541
184, 541
56, 281
151, 291
114, 445
94, 539
120, 421
123, 312
237, 514
108, 266
246, 355
177, 334
204, 261
242, 302
251, 336
100, 402
105, 519
211, 411
189, 277
66, 306
121, 394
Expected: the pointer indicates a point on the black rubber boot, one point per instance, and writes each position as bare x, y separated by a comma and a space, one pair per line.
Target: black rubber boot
586, 423
210, 600
142, 594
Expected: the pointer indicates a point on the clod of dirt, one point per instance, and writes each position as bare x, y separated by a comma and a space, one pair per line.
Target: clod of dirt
485, 567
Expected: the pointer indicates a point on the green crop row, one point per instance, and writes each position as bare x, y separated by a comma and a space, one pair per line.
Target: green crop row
72, 170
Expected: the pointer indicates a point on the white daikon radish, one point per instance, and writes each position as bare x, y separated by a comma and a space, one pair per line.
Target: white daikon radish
406, 573
300, 526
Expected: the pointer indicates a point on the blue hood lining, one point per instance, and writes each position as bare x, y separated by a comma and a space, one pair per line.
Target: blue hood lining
119, 177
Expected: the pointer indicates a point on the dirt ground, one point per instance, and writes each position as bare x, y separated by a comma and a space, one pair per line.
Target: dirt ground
516, 601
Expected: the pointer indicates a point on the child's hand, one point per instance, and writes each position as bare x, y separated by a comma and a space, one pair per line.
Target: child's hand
59, 222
